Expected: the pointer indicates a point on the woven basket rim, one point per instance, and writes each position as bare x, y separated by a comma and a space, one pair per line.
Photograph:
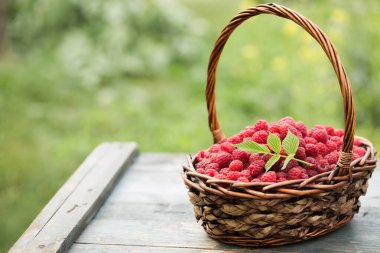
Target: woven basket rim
320, 183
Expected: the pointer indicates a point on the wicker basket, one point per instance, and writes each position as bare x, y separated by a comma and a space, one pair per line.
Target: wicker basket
272, 214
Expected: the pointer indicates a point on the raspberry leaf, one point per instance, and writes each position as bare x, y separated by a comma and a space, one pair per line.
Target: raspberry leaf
271, 162
287, 160
274, 142
290, 143
253, 147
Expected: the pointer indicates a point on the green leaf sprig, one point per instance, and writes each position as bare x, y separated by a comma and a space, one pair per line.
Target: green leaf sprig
289, 144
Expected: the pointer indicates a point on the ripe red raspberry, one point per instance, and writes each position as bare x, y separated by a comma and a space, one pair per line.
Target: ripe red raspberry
248, 132
246, 173
211, 172
359, 151
214, 148
233, 175
255, 180
339, 132
203, 163
332, 158
301, 153
310, 140
236, 165
323, 165
274, 128
295, 173
288, 120
331, 146
201, 170
212, 166
235, 139
301, 128
266, 157
321, 148
224, 171
338, 141
320, 135
260, 125
241, 155
221, 176
243, 179
260, 137
247, 139
355, 156
223, 159
330, 130
256, 169
302, 142
291, 164
254, 157
227, 147
311, 173
357, 142
202, 154
281, 179
311, 150
269, 177
281, 175
312, 161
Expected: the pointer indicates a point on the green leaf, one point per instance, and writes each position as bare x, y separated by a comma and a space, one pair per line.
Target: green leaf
290, 143
287, 160
253, 147
274, 142
272, 161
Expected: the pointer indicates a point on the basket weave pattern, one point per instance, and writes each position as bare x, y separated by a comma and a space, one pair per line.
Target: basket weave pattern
272, 214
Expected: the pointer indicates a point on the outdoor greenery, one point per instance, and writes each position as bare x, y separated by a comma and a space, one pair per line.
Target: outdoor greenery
78, 73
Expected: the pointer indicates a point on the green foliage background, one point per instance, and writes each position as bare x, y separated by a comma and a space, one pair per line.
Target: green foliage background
75, 74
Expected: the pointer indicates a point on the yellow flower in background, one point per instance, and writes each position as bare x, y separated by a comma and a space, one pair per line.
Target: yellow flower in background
278, 63
340, 15
249, 52
245, 4
290, 29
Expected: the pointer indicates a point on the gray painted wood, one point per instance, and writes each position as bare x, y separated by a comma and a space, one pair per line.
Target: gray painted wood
149, 211
74, 205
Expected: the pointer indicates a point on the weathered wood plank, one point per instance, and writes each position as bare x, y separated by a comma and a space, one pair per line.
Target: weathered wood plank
74, 205
149, 211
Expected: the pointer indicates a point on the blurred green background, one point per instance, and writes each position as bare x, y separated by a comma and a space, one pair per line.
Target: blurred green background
76, 73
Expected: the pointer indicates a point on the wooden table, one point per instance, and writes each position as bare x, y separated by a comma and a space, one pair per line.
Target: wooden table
101, 208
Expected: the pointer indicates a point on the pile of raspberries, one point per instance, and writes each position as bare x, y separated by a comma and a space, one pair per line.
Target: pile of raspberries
319, 146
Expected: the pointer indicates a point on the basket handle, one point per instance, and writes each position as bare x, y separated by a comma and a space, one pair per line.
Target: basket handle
328, 47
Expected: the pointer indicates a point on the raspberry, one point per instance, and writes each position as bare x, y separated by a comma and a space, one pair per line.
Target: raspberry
359, 151
357, 142
260, 137
223, 159
301, 128
339, 132
247, 139
275, 128
310, 140
235, 139
214, 148
224, 171
302, 142
311, 173
294, 131
254, 157
243, 179
281, 175
266, 157
323, 166
211, 172
203, 163
320, 135
311, 150
202, 154
288, 120
220, 176
236, 165
301, 153
255, 180
312, 161
233, 175
212, 166
227, 147
260, 125
241, 155
256, 168
201, 170
281, 179
246, 173
338, 141
330, 130
248, 132
355, 156
331, 146
295, 173
332, 158
304, 176
291, 164
269, 177
321, 148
